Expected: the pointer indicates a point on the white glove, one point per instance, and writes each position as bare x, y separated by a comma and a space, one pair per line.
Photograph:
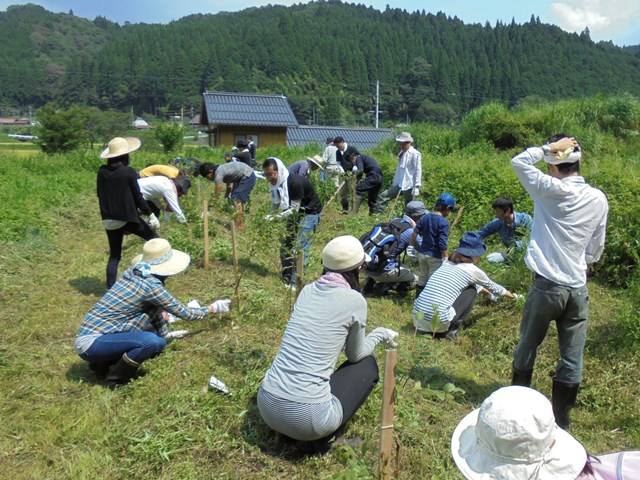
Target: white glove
411, 252
221, 306
170, 318
517, 296
496, 257
391, 337
177, 334
193, 304
154, 223
493, 298
340, 169
269, 218
354, 168
416, 191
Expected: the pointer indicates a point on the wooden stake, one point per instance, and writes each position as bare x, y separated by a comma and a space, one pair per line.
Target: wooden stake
234, 247
299, 273
205, 215
393, 208
388, 404
353, 195
455, 220
335, 193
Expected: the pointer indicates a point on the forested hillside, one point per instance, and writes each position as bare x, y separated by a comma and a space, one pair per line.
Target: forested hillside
325, 56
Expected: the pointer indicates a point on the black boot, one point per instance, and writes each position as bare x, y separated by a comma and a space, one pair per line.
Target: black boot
520, 377
121, 372
563, 398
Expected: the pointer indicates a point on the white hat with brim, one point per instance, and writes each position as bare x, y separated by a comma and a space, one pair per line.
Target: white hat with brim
404, 137
513, 435
120, 146
343, 254
318, 160
162, 259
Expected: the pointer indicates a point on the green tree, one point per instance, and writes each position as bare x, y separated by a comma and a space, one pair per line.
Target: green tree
60, 130
170, 135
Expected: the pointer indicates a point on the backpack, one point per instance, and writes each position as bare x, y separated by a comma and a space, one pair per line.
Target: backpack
188, 166
381, 241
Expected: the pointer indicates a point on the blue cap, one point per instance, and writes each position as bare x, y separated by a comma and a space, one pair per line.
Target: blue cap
471, 245
446, 199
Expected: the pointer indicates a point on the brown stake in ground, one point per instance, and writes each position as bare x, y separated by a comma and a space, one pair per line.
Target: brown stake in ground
205, 216
388, 405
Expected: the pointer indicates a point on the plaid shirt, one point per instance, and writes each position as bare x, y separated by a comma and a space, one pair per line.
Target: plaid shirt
134, 304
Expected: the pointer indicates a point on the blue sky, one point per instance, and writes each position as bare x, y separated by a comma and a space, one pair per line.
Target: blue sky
615, 20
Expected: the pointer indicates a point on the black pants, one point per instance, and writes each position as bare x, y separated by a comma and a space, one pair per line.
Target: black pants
115, 237
352, 384
370, 185
463, 305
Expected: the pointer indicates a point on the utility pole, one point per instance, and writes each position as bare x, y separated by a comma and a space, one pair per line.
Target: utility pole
377, 100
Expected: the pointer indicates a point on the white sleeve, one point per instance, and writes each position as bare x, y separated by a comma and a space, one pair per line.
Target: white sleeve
595, 247
171, 196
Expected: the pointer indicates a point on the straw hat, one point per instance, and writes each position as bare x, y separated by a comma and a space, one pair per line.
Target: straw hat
513, 435
120, 146
162, 259
318, 160
344, 253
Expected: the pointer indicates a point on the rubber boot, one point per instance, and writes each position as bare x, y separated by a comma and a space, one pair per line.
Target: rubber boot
356, 204
521, 377
121, 372
345, 206
563, 398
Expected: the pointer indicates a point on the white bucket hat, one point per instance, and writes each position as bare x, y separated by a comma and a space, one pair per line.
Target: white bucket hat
119, 146
318, 160
404, 137
159, 258
343, 253
513, 435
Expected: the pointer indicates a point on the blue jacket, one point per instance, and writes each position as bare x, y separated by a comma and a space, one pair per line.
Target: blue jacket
509, 233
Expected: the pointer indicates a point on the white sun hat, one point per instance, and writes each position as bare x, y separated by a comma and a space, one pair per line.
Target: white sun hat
344, 253
159, 258
404, 137
513, 435
120, 146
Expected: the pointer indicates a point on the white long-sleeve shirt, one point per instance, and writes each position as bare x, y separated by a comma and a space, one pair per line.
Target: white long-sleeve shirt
158, 187
569, 222
409, 171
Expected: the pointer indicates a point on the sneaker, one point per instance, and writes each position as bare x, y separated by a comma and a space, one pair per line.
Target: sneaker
290, 286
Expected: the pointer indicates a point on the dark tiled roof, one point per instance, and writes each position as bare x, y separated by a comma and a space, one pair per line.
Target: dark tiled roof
224, 108
361, 138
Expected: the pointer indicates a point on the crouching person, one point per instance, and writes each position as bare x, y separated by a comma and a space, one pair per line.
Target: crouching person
127, 326
451, 292
301, 396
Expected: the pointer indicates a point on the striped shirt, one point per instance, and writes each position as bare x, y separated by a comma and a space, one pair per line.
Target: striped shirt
133, 304
443, 288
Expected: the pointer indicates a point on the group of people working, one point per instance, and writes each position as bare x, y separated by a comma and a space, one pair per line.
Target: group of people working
301, 395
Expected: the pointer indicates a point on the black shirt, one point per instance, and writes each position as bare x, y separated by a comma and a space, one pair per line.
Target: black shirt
344, 158
119, 194
301, 189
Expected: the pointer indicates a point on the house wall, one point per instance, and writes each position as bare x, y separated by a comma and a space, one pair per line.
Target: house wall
224, 136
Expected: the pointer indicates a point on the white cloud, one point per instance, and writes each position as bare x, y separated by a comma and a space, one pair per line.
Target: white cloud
603, 17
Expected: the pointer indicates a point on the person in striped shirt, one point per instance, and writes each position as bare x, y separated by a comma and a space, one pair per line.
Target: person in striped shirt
451, 292
127, 325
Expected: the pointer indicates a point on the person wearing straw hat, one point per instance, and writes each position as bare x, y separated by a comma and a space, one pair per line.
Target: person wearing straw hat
120, 200
501, 440
127, 325
451, 292
568, 234
305, 167
301, 395
408, 177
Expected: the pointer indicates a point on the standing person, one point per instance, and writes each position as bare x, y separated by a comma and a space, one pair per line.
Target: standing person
567, 236
239, 179
127, 326
343, 158
304, 167
510, 225
452, 290
300, 207
331, 162
408, 177
434, 230
156, 188
120, 199
251, 146
301, 395
389, 269
371, 183
243, 155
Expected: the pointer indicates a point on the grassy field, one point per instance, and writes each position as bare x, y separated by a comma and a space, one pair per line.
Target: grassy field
59, 422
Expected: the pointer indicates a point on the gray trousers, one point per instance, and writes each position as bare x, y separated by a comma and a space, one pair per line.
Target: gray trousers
569, 307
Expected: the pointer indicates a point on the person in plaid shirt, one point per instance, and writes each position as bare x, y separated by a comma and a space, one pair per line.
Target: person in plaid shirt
127, 326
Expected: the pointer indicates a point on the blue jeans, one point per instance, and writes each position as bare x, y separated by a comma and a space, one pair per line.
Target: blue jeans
139, 346
569, 307
298, 238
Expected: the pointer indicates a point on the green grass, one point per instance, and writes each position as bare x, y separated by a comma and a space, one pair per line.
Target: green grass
58, 422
